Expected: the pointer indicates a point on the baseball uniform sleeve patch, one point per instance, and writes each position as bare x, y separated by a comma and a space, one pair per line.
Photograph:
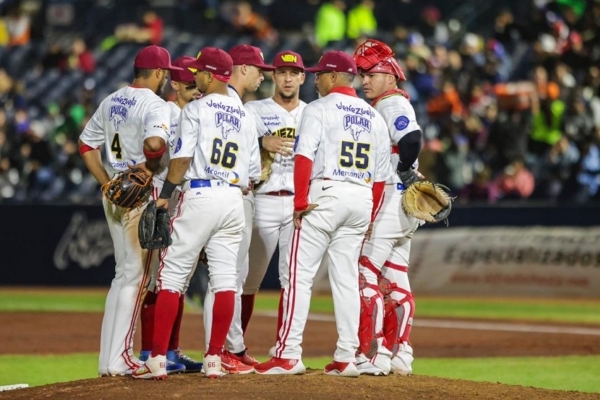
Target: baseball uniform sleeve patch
178, 146
401, 123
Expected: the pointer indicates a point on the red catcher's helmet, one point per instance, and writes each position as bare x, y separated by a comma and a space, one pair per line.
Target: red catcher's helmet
375, 56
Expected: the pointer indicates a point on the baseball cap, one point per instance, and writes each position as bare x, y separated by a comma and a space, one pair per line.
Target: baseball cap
288, 58
337, 61
185, 75
154, 57
215, 61
249, 55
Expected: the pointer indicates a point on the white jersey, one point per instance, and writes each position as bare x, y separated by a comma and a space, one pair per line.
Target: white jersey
400, 118
254, 171
273, 119
220, 136
123, 121
163, 169
346, 139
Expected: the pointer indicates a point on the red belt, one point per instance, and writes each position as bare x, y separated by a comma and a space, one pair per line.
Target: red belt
280, 193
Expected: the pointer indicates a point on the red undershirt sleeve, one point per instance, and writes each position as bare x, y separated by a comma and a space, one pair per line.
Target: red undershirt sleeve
302, 172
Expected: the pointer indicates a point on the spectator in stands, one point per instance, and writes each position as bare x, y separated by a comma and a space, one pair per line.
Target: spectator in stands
447, 103
505, 29
515, 182
361, 20
480, 189
330, 23
150, 32
81, 58
557, 168
245, 20
18, 24
431, 26
588, 178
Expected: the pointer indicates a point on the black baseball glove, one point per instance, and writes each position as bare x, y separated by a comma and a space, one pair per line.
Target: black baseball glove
154, 228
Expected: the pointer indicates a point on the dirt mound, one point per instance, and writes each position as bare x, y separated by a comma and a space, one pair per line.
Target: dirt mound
313, 385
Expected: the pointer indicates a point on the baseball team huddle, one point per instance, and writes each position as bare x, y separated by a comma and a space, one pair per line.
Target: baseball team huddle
323, 182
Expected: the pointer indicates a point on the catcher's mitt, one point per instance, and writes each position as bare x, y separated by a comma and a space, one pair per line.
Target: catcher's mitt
154, 228
427, 201
129, 189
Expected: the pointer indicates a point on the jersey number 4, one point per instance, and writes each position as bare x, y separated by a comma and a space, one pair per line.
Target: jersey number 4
224, 155
355, 155
115, 147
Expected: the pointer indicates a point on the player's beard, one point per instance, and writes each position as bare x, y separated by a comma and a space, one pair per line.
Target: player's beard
288, 96
161, 87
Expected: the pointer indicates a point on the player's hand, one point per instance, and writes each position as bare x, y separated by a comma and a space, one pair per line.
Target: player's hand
419, 175
249, 188
369, 232
279, 145
299, 214
164, 203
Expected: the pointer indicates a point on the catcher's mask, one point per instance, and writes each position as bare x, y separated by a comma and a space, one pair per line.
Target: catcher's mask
377, 57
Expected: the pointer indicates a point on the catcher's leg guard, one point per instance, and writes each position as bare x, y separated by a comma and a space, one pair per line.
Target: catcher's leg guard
371, 317
398, 315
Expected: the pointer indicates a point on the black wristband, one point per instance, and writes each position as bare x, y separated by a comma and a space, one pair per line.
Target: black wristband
260, 139
167, 189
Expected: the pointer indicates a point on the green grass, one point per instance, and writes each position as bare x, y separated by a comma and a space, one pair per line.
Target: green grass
548, 310
561, 373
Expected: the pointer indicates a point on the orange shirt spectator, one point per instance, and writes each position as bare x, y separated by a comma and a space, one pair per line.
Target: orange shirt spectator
447, 103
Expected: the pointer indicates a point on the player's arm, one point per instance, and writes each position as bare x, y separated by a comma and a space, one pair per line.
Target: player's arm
406, 132
268, 141
186, 138
255, 166
156, 134
308, 138
90, 140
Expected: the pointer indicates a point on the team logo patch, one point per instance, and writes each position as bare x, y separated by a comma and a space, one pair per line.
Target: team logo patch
118, 114
228, 123
235, 179
401, 123
289, 58
368, 178
178, 146
357, 125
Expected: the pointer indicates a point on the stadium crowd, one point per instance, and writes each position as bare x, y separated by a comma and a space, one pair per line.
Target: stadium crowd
510, 108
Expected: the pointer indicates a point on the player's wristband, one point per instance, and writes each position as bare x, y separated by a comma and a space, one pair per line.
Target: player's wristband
260, 144
167, 189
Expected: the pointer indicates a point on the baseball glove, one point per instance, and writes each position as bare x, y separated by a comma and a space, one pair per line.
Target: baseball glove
154, 228
427, 201
266, 159
129, 189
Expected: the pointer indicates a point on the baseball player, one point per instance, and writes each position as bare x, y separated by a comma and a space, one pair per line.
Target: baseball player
342, 161
184, 85
214, 145
248, 67
133, 124
277, 116
387, 303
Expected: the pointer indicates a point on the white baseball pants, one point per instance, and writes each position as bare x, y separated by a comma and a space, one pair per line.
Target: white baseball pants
126, 291
335, 229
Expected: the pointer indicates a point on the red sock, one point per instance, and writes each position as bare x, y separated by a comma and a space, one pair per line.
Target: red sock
247, 309
167, 303
279, 315
222, 317
174, 342
147, 319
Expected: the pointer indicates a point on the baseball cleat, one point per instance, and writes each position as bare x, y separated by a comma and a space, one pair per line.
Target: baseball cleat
153, 368
245, 359
402, 361
338, 368
177, 357
379, 365
172, 367
233, 366
281, 366
212, 367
